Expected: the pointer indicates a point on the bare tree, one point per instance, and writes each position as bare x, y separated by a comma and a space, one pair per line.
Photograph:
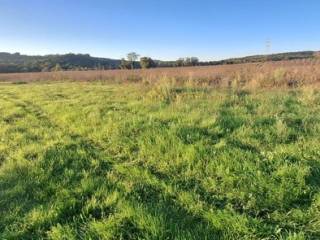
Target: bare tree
132, 57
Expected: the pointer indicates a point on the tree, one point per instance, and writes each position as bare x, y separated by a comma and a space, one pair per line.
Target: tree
146, 62
124, 64
188, 61
194, 61
179, 62
132, 57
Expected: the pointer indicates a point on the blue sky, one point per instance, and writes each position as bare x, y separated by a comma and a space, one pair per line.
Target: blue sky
162, 29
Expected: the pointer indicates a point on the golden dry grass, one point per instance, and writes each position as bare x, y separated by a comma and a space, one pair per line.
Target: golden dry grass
252, 75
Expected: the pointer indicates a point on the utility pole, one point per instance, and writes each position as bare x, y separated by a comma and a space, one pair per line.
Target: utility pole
268, 48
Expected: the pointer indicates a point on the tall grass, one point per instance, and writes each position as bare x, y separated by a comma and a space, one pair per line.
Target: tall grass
253, 75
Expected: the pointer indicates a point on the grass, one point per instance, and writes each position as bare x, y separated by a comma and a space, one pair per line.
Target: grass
118, 161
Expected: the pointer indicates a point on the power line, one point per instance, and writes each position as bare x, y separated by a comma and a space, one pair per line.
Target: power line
268, 46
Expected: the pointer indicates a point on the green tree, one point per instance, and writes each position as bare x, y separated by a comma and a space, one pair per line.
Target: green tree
146, 62
124, 64
179, 62
194, 61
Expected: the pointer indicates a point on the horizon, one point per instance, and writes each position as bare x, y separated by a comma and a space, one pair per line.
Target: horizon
164, 60
161, 30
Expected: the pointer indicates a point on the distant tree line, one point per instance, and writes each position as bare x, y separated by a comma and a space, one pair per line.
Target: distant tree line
17, 62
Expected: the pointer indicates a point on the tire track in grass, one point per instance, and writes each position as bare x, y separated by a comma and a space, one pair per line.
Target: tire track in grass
46, 121
12, 126
39, 122
37, 111
78, 144
74, 136
168, 202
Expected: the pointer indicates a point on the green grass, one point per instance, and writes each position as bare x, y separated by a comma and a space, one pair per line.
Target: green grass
94, 161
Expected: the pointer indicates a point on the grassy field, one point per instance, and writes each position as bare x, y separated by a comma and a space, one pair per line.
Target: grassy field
121, 161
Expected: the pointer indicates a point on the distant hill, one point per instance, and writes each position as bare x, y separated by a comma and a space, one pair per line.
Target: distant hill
264, 58
253, 59
23, 63
17, 62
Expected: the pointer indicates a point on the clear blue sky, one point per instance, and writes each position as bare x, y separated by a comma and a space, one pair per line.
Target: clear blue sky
162, 29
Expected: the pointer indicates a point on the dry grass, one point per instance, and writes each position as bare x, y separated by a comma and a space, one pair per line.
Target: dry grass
254, 75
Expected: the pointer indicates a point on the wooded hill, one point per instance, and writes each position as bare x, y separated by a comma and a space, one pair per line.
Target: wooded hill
23, 63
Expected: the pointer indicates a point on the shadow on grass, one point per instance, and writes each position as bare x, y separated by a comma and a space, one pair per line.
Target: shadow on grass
228, 121
179, 222
62, 182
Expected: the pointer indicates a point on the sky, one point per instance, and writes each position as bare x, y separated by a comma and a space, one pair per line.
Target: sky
161, 29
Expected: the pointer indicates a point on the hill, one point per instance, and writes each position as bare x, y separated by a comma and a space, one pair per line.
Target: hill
23, 63
264, 58
16, 62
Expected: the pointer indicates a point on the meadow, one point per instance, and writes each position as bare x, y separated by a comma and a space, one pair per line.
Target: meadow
162, 157
291, 73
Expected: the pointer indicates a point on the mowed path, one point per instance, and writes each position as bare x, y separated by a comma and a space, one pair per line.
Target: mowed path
92, 161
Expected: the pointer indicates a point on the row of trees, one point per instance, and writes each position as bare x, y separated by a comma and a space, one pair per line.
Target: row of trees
189, 61
146, 62
131, 62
